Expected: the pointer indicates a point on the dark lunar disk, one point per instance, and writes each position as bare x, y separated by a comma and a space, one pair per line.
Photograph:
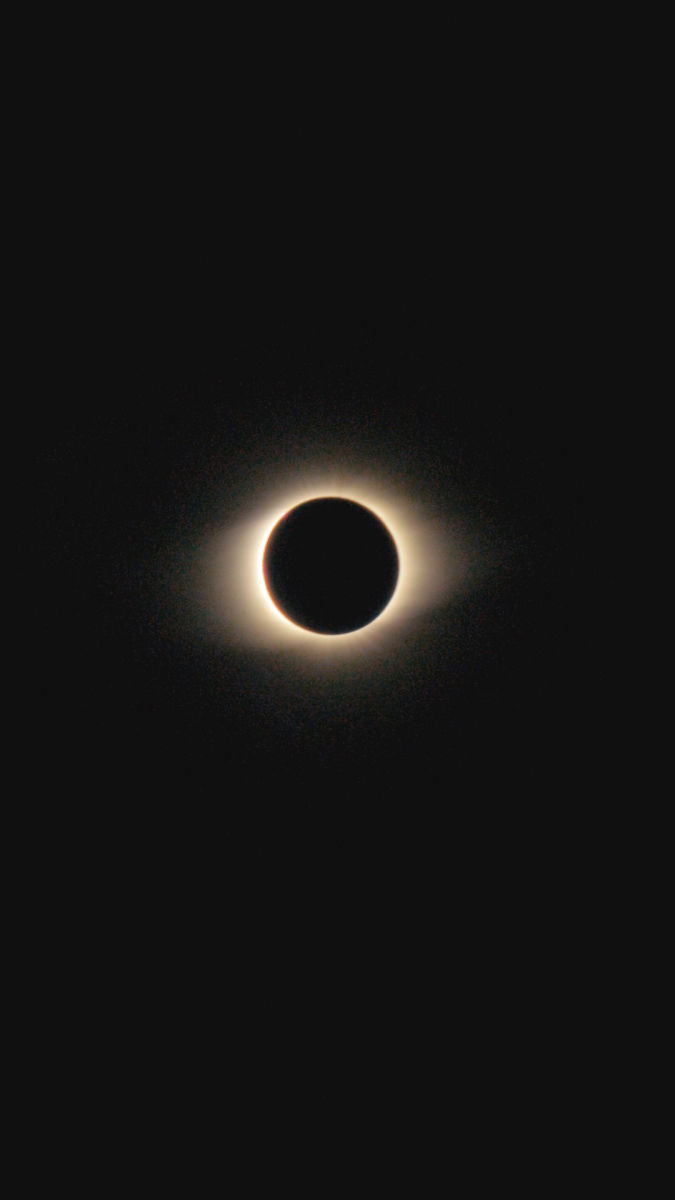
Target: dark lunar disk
330, 565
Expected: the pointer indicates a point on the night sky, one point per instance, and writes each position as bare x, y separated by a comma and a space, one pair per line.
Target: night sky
169, 440
280, 846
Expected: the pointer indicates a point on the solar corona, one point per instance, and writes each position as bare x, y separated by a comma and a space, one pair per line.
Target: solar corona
329, 567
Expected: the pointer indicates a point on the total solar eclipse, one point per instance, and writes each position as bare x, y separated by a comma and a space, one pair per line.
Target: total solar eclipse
330, 565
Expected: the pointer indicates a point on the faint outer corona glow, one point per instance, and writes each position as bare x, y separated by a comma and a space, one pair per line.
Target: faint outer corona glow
233, 604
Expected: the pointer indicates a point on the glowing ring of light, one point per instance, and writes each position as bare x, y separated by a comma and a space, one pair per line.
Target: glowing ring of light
238, 610
343, 633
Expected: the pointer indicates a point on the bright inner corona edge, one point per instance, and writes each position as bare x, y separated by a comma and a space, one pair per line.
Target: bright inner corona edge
233, 597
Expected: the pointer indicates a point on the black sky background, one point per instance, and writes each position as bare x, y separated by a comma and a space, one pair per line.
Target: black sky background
303, 863
163, 416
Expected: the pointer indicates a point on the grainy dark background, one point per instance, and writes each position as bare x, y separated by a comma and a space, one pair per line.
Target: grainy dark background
158, 419
361, 891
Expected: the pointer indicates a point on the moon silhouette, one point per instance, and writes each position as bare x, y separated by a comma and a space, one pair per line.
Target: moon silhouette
330, 565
